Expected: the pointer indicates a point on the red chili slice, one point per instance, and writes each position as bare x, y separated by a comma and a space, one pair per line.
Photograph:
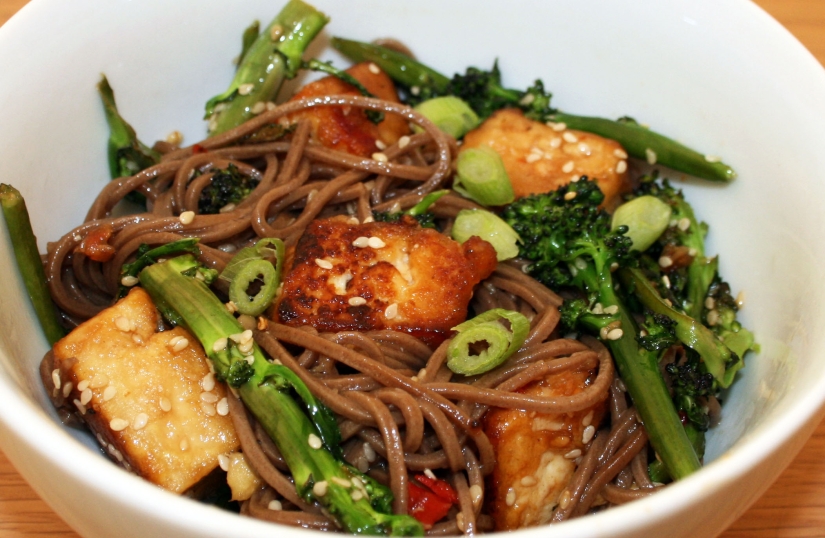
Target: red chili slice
432, 500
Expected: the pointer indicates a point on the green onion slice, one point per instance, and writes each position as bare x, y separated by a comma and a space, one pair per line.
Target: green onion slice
481, 176
450, 114
264, 262
646, 217
487, 327
487, 226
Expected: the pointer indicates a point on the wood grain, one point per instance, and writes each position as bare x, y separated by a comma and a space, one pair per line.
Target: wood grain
793, 507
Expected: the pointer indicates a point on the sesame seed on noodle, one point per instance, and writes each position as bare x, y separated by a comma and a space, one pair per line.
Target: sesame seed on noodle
275, 505
187, 217
588, 434
380, 157
573, 454
56, 378
403, 142
380, 144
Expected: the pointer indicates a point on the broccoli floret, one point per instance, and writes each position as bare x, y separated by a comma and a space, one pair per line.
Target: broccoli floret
569, 241
426, 220
689, 384
721, 318
659, 332
228, 186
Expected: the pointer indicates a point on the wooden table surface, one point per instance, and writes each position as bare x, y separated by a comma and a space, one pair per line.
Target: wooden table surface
793, 507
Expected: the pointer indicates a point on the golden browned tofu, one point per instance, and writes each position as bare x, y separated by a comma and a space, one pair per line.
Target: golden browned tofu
149, 398
538, 158
346, 129
381, 275
536, 453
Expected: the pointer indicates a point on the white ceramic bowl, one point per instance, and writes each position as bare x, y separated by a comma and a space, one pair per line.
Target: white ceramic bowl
719, 75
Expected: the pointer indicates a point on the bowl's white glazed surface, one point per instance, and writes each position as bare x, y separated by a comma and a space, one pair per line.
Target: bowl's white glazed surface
719, 75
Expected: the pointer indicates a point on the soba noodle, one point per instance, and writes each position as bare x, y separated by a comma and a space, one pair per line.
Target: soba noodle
401, 411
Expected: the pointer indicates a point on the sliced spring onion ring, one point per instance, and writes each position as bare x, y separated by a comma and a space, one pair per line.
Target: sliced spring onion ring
450, 114
263, 261
486, 327
646, 217
481, 176
487, 226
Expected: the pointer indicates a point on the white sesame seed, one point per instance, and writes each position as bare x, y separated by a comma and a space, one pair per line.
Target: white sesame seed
356, 495
391, 312
665, 261
227, 208
80, 406
118, 424
109, 393
258, 107
570, 195
621, 167
184, 444
612, 309
459, 521
615, 334
564, 499
588, 434
666, 281
713, 317
527, 99
361, 242
77, 238
560, 126
374, 69
165, 405
667, 302
208, 409
369, 453
573, 454
56, 378
476, 494
380, 144
219, 344
620, 153
415, 90
270, 106
510, 499
323, 264
603, 332
320, 488
180, 345
246, 336
528, 481
83, 385
140, 421
429, 474
275, 505
710, 303
314, 441
533, 157
584, 148
275, 32
224, 461
376, 242
369, 219
357, 301
343, 482
380, 157
86, 396
684, 224
403, 142
555, 142
692, 252
245, 89
123, 324
129, 281
222, 407
650, 156
208, 397
598, 308
570, 137
588, 418
740, 299
208, 381
187, 217
712, 158
568, 167
137, 339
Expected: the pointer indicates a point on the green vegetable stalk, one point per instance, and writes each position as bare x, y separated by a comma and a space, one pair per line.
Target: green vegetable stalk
311, 448
483, 91
272, 58
28, 260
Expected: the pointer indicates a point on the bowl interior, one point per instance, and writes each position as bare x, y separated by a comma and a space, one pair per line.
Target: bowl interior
720, 76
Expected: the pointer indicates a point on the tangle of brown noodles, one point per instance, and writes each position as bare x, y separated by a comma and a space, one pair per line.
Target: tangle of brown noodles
401, 410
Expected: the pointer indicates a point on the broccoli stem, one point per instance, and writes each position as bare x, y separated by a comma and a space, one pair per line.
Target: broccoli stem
265, 65
24, 244
265, 390
637, 140
717, 358
639, 370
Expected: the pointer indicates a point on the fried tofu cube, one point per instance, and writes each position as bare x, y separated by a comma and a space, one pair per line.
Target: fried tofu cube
536, 453
540, 159
151, 404
382, 275
347, 129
